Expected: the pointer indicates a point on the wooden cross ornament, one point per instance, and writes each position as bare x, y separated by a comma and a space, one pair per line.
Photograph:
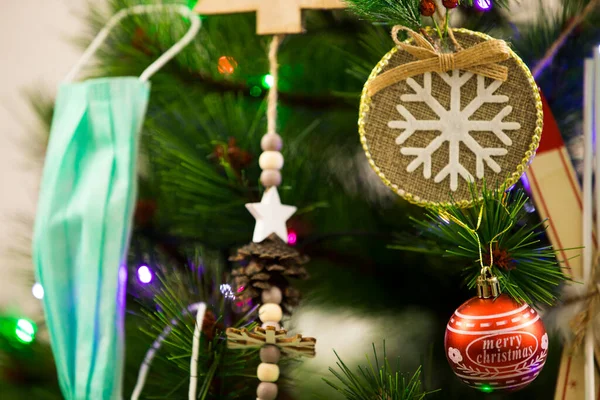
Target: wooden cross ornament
273, 16
292, 346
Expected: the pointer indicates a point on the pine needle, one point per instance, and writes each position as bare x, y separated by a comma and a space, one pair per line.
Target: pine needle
394, 12
376, 381
527, 269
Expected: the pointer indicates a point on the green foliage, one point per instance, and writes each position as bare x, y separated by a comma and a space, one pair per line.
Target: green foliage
394, 12
194, 108
222, 373
26, 369
376, 381
561, 81
399, 12
527, 269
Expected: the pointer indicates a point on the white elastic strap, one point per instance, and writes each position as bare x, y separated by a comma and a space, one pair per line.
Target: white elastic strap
134, 10
195, 352
200, 309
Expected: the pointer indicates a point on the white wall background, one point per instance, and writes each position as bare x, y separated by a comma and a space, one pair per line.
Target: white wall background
36, 54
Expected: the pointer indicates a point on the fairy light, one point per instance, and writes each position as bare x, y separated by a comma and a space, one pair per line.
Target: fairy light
268, 81
525, 182
227, 65
255, 91
227, 291
485, 388
25, 330
483, 5
37, 290
144, 274
292, 238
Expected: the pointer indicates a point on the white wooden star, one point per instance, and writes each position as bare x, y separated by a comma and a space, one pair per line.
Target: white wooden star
270, 216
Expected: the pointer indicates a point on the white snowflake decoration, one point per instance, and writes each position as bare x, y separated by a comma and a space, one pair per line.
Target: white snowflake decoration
455, 127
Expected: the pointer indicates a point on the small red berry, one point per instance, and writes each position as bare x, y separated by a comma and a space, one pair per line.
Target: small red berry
427, 8
450, 3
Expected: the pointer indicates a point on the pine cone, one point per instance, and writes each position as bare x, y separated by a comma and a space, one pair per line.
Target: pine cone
266, 264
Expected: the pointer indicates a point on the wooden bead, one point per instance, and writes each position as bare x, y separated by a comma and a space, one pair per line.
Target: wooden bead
270, 312
271, 323
267, 372
266, 391
272, 295
271, 142
270, 177
270, 354
271, 160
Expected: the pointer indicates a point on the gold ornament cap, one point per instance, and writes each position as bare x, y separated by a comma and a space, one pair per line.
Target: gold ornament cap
488, 285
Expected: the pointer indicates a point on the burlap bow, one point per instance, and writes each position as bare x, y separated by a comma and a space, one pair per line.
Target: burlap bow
480, 59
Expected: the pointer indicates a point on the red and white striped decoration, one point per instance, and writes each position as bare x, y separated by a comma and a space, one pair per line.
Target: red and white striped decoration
496, 344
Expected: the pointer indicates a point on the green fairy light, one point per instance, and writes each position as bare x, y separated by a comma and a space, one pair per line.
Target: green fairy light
255, 91
485, 388
268, 81
25, 330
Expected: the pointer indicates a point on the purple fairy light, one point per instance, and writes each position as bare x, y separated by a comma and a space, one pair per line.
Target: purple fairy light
483, 5
525, 183
144, 274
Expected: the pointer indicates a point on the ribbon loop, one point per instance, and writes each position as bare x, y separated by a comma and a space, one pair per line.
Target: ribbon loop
480, 59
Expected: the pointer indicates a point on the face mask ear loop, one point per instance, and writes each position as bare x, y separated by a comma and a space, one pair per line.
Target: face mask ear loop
135, 10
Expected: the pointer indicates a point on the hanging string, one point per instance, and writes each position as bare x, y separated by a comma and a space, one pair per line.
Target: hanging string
271, 160
274, 71
473, 231
445, 22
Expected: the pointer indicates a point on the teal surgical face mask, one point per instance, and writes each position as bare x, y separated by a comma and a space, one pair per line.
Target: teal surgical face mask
84, 218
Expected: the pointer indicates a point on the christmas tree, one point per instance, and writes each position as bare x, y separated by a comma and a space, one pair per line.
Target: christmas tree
381, 270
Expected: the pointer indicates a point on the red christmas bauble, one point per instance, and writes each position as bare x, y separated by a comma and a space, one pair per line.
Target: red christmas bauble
496, 344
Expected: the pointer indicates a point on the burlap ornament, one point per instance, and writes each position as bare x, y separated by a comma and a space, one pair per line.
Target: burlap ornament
429, 134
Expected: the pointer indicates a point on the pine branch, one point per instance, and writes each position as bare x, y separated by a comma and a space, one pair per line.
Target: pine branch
399, 12
560, 81
222, 373
376, 382
493, 232
560, 41
393, 12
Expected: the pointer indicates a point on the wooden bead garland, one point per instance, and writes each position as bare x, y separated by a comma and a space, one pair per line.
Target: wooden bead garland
266, 391
270, 177
270, 337
272, 295
267, 372
270, 312
271, 142
270, 354
271, 160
